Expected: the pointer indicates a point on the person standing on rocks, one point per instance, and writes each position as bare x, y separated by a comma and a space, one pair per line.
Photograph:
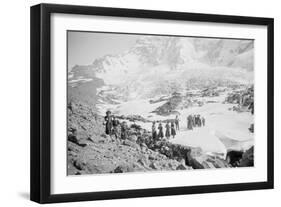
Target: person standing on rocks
154, 132
115, 124
251, 107
173, 130
190, 122
177, 122
108, 123
167, 133
194, 120
124, 131
203, 121
160, 131
199, 120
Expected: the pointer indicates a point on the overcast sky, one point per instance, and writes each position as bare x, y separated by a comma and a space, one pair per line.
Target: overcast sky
85, 47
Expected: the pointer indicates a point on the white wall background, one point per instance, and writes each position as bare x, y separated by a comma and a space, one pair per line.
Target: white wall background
14, 104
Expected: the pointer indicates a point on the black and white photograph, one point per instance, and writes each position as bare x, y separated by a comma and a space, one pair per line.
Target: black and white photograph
151, 102
133, 103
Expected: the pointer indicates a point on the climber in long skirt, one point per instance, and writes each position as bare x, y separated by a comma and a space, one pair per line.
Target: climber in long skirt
190, 122
167, 133
194, 120
108, 123
160, 131
124, 130
173, 130
199, 120
154, 132
177, 122
203, 121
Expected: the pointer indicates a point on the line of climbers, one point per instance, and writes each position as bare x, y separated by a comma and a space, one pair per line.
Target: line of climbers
114, 127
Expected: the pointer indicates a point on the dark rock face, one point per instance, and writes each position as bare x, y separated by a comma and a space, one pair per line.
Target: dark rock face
251, 128
233, 157
170, 106
243, 98
209, 92
247, 158
240, 158
123, 169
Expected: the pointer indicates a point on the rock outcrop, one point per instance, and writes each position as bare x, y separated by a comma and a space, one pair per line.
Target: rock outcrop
170, 106
242, 97
90, 151
247, 159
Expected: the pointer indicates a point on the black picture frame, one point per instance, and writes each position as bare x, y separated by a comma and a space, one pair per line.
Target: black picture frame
41, 98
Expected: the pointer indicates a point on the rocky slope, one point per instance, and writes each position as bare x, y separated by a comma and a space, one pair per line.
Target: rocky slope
90, 151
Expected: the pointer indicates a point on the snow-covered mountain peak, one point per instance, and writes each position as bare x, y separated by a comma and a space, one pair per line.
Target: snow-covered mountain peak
159, 64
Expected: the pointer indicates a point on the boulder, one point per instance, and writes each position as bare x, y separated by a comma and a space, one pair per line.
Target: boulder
123, 169
154, 166
72, 106
79, 164
133, 138
152, 157
143, 145
130, 143
220, 163
138, 167
105, 136
181, 167
251, 128
72, 138
143, 160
